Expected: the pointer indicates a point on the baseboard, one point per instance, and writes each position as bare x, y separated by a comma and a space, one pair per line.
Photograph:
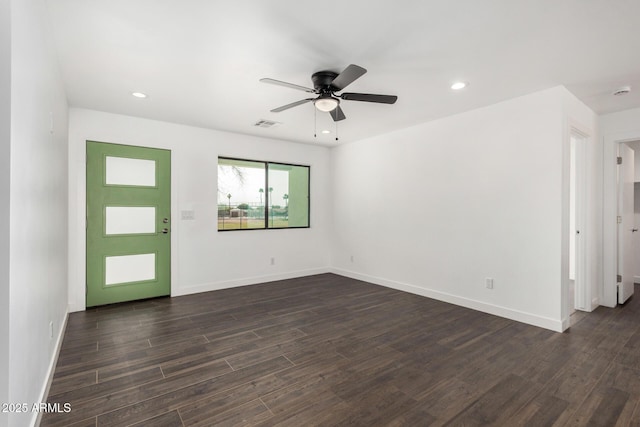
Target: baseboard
519, 316
37, 416
594, 303
216, 286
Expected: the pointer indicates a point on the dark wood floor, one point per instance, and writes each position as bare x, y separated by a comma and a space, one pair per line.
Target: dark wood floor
327, 350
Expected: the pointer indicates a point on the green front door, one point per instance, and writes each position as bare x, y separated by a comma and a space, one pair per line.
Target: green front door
128, 223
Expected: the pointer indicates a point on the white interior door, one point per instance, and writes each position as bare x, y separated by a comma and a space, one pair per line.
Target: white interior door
626, 227
577, 219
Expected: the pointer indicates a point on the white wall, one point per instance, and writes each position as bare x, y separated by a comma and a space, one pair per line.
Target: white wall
202, 258
620, 122
437, 208
5, 181
38, 206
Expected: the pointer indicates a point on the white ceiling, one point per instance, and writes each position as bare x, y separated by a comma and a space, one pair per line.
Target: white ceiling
199, 61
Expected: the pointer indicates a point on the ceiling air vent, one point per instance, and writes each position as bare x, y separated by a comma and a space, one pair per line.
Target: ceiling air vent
266, 123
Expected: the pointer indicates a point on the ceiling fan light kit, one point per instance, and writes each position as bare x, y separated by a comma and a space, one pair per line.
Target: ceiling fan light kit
326, 103
325, 85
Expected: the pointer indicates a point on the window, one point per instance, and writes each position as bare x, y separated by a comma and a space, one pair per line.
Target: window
258, 195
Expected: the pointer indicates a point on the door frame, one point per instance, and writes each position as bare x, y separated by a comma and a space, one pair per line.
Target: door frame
582, 295
77, 213
609, 295
621, 255
575, 128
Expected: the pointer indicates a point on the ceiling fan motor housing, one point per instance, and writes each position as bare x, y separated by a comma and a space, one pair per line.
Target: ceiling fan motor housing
322, 81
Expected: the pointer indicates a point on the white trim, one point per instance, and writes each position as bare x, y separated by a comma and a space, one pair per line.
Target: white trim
608, 297
519, 316
37, 416
216, 286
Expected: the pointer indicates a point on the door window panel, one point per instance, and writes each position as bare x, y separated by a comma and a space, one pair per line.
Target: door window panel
130, 220
127, 171
129, 268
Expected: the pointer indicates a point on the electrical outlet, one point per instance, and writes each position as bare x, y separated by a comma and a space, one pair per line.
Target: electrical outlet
51, 329
488, 282
273, 261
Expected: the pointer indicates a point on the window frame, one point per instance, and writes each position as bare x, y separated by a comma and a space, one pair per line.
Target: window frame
266, 193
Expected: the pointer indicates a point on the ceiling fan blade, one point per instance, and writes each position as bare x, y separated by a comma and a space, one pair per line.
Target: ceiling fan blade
289, 85
337, 114
368, 97
293, 104
348, 76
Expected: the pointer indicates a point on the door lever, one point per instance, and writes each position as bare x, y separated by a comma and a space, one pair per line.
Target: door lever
633, 230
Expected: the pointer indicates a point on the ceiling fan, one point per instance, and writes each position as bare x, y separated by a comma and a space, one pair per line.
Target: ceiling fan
325, 85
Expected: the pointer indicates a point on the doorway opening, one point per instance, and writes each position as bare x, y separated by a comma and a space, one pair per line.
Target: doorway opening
627, 232
610, 226
577, 220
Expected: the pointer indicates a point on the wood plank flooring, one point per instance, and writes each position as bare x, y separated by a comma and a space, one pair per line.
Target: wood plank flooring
331, 351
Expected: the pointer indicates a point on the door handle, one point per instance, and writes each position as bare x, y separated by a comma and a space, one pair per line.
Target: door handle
633, 230
165, 230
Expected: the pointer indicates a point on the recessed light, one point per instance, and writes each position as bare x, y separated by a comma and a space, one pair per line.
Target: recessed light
139, 94
326, 131
458, 85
